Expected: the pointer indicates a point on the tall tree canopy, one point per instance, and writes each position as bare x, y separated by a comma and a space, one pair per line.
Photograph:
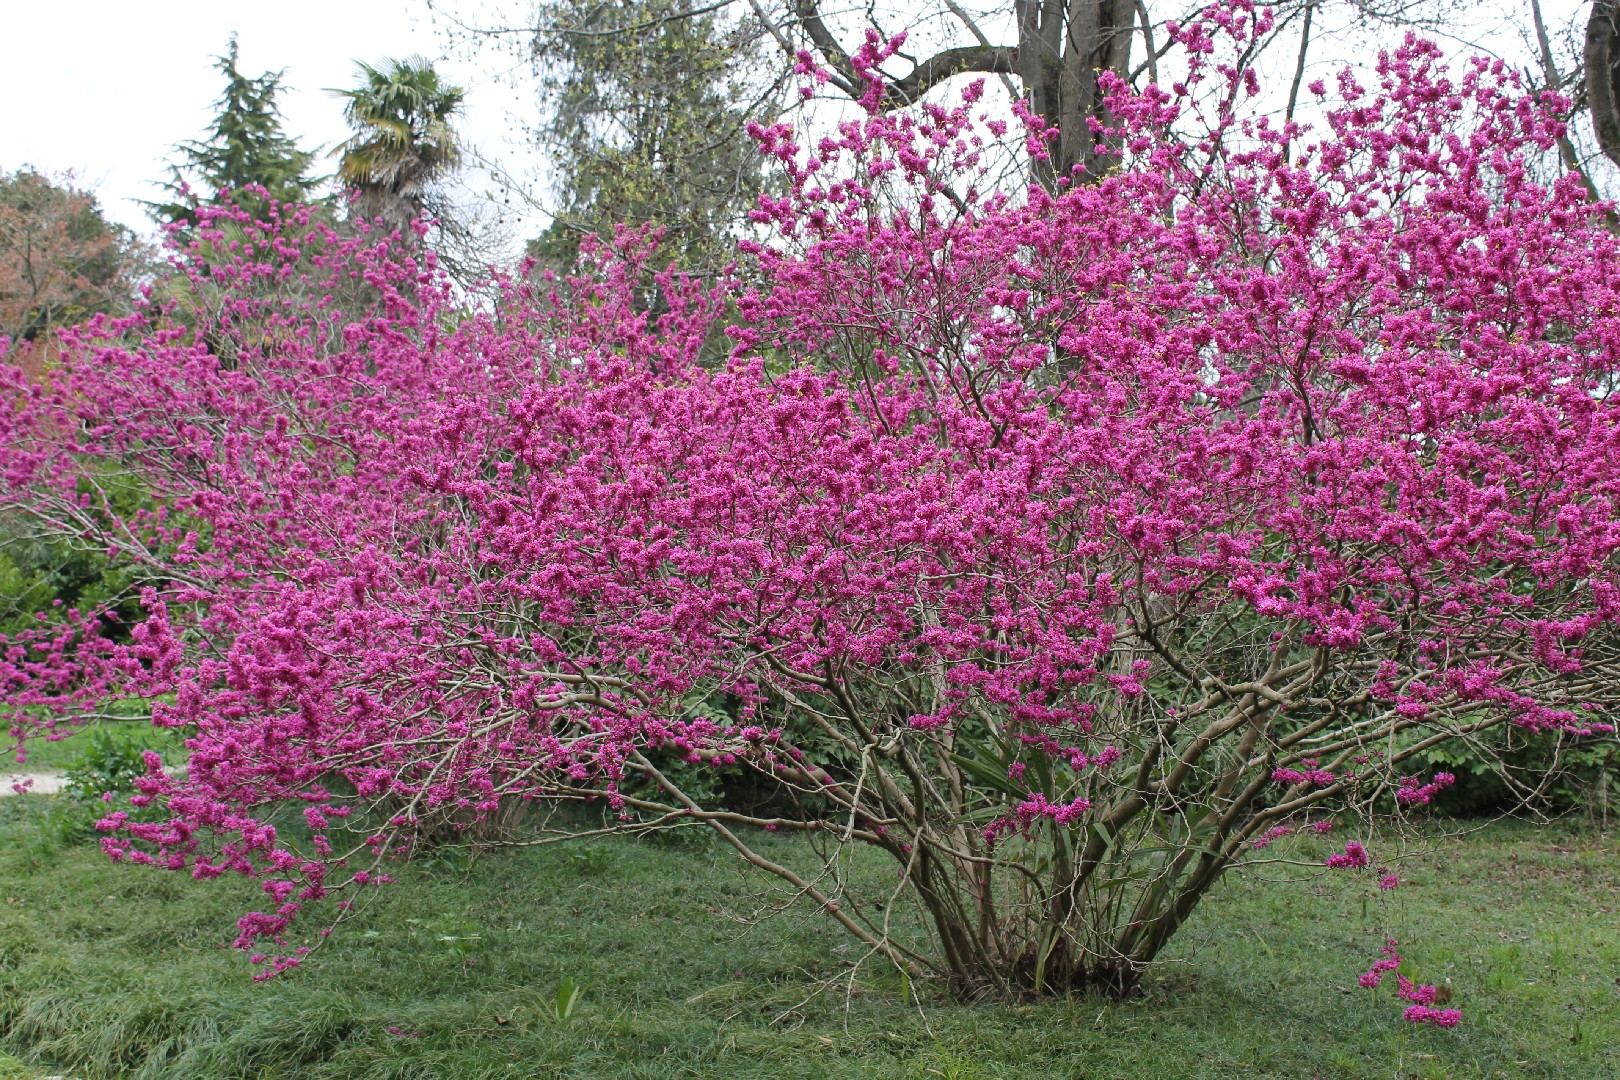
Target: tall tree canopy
1051, 56
647, 108
404, 139
244, 147
61, 261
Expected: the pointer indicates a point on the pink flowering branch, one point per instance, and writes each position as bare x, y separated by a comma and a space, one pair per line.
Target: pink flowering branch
1422, 998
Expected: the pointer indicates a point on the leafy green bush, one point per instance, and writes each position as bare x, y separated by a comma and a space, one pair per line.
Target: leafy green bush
1507, 770
105, 759
110, 759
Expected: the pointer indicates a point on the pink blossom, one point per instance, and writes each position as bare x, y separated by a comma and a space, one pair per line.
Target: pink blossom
1414, 792
1353, 856
1423, 1014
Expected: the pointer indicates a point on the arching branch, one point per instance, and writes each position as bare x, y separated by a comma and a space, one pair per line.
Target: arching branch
990, 59
843, 73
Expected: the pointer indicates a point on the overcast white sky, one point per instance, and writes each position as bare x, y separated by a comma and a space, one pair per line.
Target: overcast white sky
106, 88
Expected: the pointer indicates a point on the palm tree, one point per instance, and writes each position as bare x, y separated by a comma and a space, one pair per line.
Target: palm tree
403, 139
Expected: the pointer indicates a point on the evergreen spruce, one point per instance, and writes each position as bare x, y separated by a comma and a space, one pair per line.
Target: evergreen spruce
245, 147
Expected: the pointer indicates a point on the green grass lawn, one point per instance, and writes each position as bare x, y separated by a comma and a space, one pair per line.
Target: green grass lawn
70, 752
43, 757
453, 973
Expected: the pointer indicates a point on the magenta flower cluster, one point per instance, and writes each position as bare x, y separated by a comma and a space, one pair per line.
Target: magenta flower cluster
1315, 777
1033, 809
1422, 997
1413, 792
1354, 856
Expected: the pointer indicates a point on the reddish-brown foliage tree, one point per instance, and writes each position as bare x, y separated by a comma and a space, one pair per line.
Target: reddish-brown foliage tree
61, 261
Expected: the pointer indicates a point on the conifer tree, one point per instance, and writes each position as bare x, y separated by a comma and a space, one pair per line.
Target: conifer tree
245, 147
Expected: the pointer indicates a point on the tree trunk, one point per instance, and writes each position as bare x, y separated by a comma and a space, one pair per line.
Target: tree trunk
1603, 76
1063, 45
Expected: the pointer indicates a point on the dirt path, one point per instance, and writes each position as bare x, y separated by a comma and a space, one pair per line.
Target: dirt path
43, 783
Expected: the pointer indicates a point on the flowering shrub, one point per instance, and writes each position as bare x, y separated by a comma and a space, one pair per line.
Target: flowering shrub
1069, 550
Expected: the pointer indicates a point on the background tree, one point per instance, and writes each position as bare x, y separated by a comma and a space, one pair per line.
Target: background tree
645, 108
61, 261
620, 76
404, 140
244, 147
1062, 47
